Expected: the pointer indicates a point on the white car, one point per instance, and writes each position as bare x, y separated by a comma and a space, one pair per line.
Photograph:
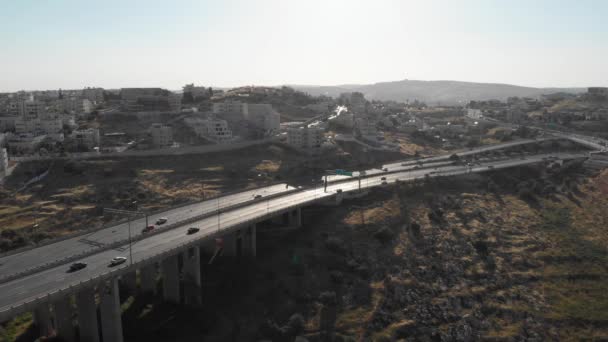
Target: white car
161, 220
117, 260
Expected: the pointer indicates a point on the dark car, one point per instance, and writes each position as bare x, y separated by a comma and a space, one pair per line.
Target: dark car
148, 229
257, 196
383, 178
77, 266
193, 230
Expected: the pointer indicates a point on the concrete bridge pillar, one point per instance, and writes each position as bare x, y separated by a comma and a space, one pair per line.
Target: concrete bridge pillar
147, 279
170, 271
42, 319
295, 218
230, 244
251, 240
87, 315
129, 281
63, 319
111, 322
192, 276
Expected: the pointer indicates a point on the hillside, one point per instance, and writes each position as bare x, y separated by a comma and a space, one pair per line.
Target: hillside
434, 92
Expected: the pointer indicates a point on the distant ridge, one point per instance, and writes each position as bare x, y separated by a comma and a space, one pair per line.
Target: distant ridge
435, 92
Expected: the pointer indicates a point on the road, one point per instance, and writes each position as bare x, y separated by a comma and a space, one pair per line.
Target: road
32, 258
27, 288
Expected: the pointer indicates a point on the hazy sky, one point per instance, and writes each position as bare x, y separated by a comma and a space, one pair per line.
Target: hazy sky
120, 43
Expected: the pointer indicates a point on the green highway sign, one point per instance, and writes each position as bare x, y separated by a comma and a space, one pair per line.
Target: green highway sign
343, 172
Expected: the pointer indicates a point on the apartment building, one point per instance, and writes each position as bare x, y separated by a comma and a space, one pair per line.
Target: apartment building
162, 135
261, 116
94, 95
305, 139
211, 128
86, 137
41, 125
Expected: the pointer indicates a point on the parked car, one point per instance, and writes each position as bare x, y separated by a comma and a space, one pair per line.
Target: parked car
161, 220
193, 230
77, 266
117, 261
148, 229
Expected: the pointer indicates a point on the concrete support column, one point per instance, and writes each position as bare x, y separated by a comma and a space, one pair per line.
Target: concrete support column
229, 244
192, 276
129, 281
295, 218
87, 315
147, 280
42, 319
170, 271
63, 319
253, 240
109, 307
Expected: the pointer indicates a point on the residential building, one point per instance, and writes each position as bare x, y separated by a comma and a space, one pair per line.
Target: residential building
211, 128
365, 128
43, 125
25, 143
3, 162
321, 107
598, 92
149, 99
94, 95
27, 108
263, 116
355, 102
74, 105
306, 139
86, 137
197, 92
229, 107
473, 113
162, 135
175, 102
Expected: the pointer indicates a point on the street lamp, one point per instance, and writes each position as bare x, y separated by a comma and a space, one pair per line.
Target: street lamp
129, 214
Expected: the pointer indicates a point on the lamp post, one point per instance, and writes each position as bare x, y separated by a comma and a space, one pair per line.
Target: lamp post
129, 214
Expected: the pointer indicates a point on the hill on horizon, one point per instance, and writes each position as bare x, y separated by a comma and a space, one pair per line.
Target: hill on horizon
435, 92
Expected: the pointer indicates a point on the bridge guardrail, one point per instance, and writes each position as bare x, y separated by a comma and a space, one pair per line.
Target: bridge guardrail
119, 222
134, 239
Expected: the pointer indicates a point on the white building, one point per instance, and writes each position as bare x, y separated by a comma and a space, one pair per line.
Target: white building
43, 125
305, 139
211, 128
229, 107
474, 113
263, 116
74, 106
27, 108
175, 102
93, 94
86, 137
162, 135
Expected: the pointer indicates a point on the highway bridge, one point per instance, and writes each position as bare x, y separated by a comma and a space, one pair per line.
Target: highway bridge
37, 279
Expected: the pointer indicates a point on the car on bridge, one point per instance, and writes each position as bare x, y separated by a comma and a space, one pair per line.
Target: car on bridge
192, 230
117, 261
383, 178
148, 228
77, 266
258, 196
161, 220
